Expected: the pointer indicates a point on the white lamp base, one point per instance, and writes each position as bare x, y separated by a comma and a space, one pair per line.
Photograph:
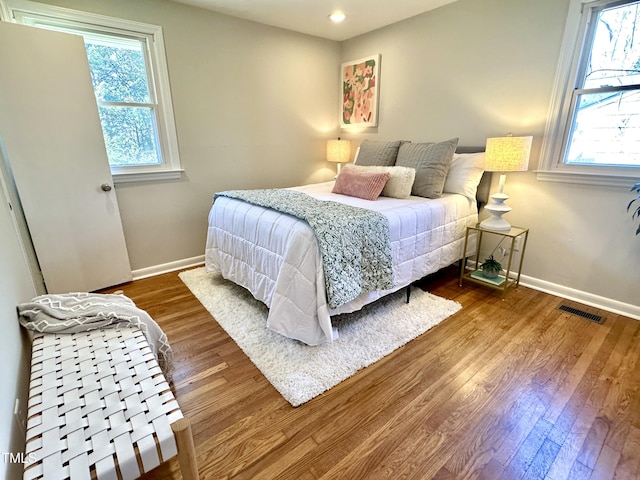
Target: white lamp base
338, 169
497, 209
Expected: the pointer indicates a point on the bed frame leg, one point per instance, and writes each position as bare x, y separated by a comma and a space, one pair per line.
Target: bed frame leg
186, 451
408, 292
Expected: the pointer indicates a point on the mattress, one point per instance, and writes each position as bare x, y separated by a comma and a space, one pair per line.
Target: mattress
276, 256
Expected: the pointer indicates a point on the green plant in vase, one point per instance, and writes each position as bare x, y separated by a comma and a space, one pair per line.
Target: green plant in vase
491, 267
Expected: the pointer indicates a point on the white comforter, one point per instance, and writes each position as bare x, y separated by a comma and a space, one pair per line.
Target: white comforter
276, 256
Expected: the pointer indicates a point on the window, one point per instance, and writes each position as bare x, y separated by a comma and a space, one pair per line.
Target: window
130, 81
127, 113
594, 133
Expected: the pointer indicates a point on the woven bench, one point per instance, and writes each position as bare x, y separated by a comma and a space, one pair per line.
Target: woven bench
100, 408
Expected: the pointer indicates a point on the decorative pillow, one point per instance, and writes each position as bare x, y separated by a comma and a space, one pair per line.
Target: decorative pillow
400, 179
464, 174
375, 153
431, 161
367, 185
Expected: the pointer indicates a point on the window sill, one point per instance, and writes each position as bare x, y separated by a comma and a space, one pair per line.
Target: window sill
128, 177
625, 181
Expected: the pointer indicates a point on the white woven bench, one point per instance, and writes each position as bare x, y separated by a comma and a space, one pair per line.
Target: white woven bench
100, 408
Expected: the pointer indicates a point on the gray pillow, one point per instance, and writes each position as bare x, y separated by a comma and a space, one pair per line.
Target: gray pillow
431, 161
376, 153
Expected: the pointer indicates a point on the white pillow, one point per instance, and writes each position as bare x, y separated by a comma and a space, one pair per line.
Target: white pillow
464, 174
400, 179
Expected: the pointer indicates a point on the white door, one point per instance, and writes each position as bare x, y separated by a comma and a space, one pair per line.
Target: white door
51, 132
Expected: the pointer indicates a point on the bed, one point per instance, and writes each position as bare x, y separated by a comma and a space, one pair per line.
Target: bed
277, 257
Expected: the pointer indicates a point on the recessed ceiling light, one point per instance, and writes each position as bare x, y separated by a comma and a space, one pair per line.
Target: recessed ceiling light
337, 17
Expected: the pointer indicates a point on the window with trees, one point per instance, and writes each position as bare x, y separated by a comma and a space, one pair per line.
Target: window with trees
130, 81
595, 128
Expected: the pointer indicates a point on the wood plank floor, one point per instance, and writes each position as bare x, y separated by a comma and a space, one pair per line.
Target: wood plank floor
504, 389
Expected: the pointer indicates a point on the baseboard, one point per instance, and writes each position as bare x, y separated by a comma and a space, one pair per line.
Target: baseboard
168, 267
596, 301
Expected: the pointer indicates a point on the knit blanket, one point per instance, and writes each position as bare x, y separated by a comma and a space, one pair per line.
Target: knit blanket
354, 242
78, 312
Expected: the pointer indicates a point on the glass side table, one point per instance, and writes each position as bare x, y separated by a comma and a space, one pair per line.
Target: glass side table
505, 280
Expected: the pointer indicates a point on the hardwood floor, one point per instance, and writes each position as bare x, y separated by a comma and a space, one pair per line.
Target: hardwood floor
504, 389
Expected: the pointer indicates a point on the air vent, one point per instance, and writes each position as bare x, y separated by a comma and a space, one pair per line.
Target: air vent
581, 313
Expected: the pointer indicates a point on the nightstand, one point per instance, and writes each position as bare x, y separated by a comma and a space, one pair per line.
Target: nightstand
503, 281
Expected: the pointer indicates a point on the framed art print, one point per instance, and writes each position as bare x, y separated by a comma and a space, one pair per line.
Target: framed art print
360, 92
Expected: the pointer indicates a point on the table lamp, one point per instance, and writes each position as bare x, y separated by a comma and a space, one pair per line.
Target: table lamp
504, 154
339, 151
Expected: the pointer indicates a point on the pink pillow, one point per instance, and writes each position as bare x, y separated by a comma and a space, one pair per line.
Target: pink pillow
367, 185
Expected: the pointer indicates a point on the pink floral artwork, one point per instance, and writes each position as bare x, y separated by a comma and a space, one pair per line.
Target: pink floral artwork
360, 92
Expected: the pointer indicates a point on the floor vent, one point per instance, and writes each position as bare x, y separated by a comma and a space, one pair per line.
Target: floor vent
581, 313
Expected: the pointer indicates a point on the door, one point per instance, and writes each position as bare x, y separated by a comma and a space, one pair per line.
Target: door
20, 223
53, 140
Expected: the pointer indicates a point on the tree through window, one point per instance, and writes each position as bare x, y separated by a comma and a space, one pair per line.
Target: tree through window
131, 84
127, 111
606, 101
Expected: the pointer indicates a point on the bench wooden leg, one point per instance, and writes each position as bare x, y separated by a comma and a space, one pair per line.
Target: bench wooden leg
186, 450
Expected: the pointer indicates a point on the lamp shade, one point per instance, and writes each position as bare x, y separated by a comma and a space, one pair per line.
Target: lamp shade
508, 154
339, 151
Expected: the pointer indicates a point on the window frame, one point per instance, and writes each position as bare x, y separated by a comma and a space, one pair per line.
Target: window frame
561, 112
17, 10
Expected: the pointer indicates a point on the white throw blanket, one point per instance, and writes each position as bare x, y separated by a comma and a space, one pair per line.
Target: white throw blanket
77, 312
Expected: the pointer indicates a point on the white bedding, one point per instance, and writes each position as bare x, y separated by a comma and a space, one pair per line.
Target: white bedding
276, 256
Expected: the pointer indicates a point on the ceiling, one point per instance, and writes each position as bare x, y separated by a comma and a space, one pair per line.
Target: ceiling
312, 16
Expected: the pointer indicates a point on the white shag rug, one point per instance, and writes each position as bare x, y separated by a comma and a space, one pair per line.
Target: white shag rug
300, 372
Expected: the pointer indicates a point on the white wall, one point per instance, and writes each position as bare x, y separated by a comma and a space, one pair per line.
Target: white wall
481, 68
253, 106
15, 287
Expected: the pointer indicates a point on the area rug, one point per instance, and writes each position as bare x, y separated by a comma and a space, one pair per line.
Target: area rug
300, 372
